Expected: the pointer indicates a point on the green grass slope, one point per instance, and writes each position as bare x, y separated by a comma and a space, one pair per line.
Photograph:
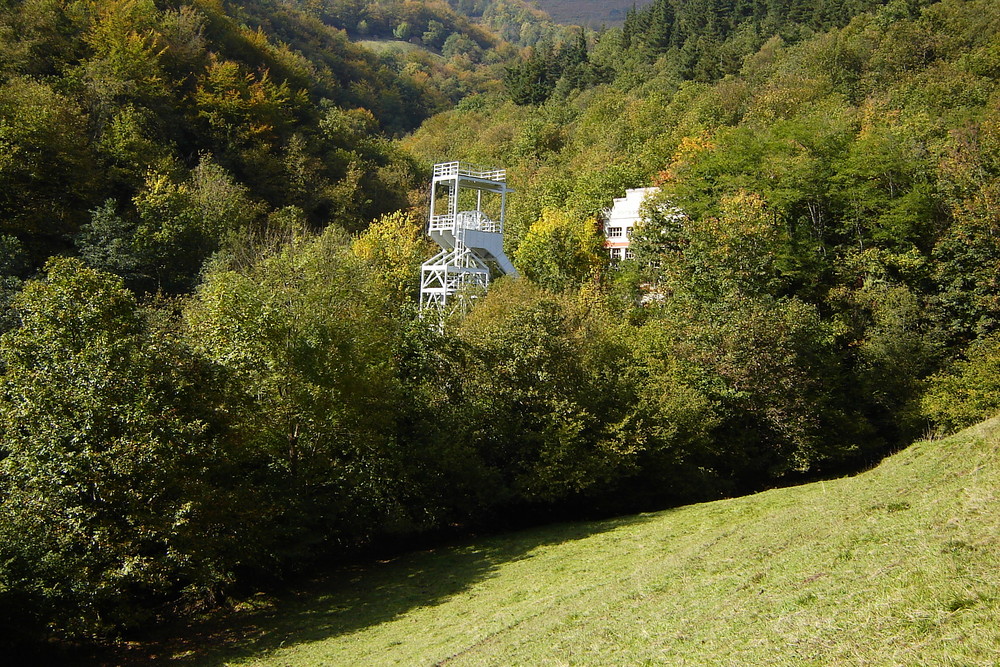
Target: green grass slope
897, 566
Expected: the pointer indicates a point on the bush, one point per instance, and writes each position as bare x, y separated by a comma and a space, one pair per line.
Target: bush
119, 490
969, 391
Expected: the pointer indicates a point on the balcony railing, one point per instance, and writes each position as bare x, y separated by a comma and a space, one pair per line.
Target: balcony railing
442, 223
472, 220
452, 169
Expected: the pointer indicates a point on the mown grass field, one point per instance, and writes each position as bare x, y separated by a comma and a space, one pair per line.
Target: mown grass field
384, 46
899, 565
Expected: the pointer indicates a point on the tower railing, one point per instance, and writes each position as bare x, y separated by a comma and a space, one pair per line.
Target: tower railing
464, 220
452, 169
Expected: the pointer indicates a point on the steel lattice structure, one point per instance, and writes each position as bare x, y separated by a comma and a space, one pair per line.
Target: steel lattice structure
471, 240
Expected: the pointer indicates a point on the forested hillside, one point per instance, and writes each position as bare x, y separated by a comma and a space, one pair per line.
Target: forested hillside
213, 372
118, 116
823, 216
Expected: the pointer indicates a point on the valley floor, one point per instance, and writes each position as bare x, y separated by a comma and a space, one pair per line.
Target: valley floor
591, 14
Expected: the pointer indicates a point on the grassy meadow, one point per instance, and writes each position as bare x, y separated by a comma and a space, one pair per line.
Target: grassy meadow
899, 565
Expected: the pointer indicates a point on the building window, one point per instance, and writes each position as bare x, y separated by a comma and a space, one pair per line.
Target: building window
629, 254
614, 232
616, 253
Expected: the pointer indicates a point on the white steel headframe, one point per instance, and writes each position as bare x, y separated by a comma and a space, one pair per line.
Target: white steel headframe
471, 242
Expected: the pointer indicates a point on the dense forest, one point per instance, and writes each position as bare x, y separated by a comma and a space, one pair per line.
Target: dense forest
212, 369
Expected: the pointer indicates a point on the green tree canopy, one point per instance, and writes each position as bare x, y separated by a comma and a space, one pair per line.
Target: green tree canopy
118, 483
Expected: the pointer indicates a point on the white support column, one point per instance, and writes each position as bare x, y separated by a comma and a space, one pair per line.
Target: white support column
503, 208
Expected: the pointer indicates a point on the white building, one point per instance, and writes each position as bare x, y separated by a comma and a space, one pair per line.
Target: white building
620, 219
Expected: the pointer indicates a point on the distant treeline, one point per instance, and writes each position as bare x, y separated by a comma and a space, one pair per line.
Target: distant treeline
701, 40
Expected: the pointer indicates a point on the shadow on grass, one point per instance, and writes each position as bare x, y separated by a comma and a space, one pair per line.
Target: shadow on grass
355, 598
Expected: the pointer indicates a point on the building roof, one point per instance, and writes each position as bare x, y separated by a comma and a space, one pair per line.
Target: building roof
625, 210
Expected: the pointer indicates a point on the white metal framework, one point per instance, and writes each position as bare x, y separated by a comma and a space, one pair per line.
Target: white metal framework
471, 240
